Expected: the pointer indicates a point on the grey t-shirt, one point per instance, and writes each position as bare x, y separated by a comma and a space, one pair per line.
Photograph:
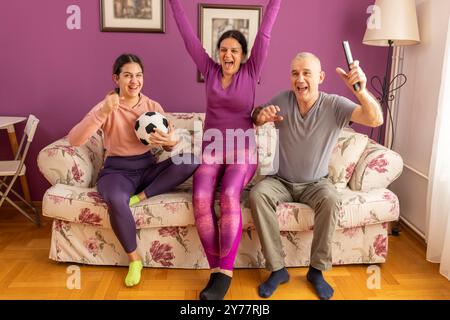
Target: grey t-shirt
305, 144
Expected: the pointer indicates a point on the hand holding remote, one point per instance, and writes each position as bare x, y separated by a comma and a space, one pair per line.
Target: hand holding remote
349, 57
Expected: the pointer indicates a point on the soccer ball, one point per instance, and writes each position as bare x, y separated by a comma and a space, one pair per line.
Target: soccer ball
147, 122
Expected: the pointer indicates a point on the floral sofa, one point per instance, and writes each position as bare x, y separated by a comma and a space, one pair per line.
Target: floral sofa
167, 237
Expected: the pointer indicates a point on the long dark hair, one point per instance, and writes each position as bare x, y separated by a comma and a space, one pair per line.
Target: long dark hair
238, 36
122, 60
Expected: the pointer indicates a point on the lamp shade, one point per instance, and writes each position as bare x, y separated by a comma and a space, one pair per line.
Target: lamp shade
392, 20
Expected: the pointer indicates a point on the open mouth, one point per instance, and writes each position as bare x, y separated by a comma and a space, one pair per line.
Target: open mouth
302, 89
229, 64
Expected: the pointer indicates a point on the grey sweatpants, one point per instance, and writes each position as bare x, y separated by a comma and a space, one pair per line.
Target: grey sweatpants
321, 196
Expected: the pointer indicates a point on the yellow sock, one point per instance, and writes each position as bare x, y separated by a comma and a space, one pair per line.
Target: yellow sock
133, 200
134, 273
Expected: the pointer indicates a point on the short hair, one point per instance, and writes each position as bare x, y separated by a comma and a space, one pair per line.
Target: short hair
306, 55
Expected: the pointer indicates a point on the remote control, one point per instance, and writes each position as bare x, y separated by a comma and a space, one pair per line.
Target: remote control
349, 57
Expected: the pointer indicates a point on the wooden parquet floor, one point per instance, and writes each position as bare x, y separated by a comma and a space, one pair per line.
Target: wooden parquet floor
27, 273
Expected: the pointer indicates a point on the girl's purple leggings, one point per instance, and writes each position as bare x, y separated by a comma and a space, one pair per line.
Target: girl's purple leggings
122, 177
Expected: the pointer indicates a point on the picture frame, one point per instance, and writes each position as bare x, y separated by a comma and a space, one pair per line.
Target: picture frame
214, 19
132, 16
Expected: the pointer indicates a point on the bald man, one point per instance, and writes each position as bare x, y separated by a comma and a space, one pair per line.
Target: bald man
309, 123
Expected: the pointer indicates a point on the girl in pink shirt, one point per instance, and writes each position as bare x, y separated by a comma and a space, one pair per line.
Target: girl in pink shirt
130, 167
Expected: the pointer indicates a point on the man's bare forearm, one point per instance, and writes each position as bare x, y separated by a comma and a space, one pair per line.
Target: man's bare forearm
370, 107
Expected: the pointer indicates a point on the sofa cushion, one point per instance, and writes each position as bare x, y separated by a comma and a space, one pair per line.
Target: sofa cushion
188, 129
83, 205
377, 168
357, 209
266, 141
345, 156
60, 162
174, 209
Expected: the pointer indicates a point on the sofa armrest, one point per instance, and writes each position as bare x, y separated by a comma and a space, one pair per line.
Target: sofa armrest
60, 162
377, 168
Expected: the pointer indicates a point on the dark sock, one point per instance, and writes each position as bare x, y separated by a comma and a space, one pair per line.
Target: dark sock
267, 288
323, 289
212, 276
219, 287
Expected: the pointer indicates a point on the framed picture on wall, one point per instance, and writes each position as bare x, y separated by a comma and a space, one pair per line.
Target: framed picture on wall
132, 15
215, 19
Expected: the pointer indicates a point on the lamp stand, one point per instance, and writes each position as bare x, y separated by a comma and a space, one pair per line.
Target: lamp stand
386, 95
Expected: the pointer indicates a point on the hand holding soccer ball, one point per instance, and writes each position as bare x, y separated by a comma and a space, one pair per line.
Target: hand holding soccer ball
152, 128
164, 139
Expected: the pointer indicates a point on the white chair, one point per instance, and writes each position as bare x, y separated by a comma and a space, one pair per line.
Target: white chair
11, 170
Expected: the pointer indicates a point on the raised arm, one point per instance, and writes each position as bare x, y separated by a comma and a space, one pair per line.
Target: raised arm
87, 127
191, 41
368, 112
262, 40
94, 119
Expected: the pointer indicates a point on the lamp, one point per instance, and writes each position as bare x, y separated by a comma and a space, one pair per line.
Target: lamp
392, 23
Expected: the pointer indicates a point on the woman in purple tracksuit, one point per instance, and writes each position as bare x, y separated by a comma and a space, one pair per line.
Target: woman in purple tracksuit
230, 93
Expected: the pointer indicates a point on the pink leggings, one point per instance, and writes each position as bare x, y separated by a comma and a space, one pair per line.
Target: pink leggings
220, 241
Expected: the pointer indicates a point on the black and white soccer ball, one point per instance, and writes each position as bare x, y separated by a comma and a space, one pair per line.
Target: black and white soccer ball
147, 122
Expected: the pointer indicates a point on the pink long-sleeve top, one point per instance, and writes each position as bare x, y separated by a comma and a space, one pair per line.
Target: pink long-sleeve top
228, 108
118, 128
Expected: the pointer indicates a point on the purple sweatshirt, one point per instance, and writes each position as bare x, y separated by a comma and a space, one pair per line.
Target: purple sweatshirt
228, 108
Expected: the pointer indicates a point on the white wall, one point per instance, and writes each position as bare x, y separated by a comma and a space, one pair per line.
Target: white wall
417, 109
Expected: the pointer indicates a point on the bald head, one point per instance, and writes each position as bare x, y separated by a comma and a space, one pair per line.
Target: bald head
306, 76
313, 60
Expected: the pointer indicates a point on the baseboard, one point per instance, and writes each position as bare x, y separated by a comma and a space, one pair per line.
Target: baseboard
406, 228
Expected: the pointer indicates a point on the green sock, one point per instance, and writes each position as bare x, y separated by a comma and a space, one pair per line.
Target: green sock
134, 273
133, 200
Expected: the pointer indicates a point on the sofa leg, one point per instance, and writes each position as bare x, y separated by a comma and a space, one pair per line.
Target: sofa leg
393, 228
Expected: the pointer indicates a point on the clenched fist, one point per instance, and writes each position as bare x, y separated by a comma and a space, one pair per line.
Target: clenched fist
112, 101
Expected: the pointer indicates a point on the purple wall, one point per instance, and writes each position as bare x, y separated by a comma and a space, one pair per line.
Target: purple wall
59, 74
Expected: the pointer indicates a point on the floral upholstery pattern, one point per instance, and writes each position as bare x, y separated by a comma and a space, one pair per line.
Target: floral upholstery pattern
59, 162
345, 155
378, 167
174, 209
180, 247
360, 169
